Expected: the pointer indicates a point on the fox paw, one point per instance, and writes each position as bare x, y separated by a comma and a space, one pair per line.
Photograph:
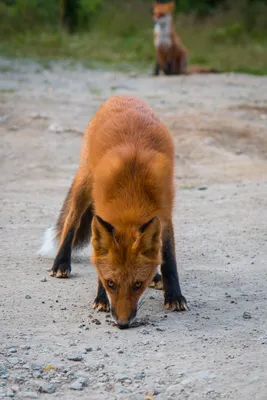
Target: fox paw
157, 282
61, 271
101, 304
175, 303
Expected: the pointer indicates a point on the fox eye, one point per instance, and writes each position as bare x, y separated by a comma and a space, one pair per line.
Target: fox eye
111, 284
137, 285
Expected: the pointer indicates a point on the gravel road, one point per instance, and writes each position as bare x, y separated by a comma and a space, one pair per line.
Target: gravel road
53, 345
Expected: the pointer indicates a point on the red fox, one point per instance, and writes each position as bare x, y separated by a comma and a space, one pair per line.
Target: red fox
171, 55
122, 198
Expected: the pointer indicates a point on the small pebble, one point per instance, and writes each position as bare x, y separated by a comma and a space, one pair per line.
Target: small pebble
27, 296
203, 188
55, 128
247, 315
44, 279
75, 357
29, 395
144, 331
123, 378
139, 375
46, 387
12, 350
96, 321
25, 347
36, 367
13, 360
10, 393
79, 383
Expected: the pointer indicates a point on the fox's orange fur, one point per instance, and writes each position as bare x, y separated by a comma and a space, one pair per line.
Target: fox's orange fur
171, 55
124, 189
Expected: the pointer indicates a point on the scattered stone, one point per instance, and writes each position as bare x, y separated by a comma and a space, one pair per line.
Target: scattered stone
247, 315
15, 388
43, 280
12, 350
37, 375
36, 367
18, 378
96, 321
29, 395
121, 389
208, 141
81, 374
13, 360
88, 349
139, 375
10, 393
203, 188
4, 119
38, 116
76, 385
3, 371
75, 357
123, 378
27, 296
79, 383
46, 387
145, 331
174, 390
55, 128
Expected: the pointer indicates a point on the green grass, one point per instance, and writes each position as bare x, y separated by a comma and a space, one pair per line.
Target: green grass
125, 42
7, 91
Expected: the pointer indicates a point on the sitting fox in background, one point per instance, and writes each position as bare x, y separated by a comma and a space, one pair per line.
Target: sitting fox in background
171, 55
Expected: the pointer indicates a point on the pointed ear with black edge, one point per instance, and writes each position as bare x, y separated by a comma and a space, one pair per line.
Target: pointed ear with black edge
150, 238
102, 235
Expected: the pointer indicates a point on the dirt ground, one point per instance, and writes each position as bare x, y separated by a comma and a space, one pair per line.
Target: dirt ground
217, 350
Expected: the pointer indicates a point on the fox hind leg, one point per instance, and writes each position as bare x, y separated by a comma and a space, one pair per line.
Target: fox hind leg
73, 226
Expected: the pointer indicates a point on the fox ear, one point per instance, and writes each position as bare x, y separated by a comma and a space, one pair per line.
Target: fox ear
102, 234
149, 241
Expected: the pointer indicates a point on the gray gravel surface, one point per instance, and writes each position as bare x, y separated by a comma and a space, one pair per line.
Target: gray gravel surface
52, 343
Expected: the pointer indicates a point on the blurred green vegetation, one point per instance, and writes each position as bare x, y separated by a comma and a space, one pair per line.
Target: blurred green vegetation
230, 35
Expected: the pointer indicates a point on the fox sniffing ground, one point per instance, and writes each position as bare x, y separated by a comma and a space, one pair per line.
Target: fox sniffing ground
171, 55
122, 198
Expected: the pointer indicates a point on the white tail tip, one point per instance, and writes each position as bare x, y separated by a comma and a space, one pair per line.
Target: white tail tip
50, 244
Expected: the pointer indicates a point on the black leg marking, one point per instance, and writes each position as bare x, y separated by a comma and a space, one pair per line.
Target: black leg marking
156, 69
101, 302
173, 298
168, 69
62, 264
157, 282
83, 234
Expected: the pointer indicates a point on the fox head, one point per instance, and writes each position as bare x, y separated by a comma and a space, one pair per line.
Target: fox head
126, 263
162, 10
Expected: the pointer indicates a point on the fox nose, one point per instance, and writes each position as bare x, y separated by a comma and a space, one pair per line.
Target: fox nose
123, 325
